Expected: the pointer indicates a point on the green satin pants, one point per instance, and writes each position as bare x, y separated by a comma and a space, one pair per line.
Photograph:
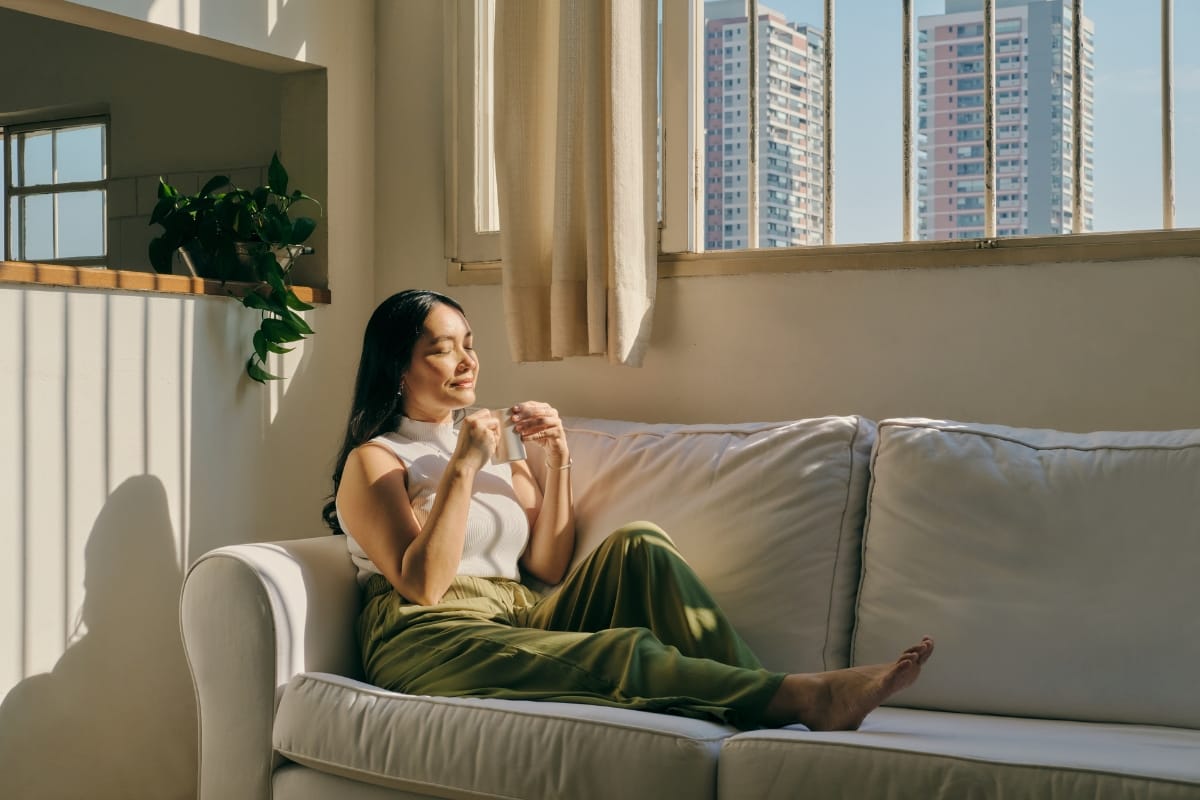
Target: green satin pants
631, 626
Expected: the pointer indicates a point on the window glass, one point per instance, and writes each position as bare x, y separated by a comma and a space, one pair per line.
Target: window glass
727, 126
1187, 115
868, 169
37, 159
80, 224
12, 208
79, 154
35, 219
1127, 163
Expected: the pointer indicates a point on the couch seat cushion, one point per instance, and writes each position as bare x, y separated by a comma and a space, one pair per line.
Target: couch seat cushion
948, 756
768, 514
460, 747
1057, 571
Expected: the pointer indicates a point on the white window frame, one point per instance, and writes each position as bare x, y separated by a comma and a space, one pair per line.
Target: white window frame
9, 134
465, 122
473, 256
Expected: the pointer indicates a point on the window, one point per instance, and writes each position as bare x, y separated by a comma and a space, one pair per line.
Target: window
788, 166
54, 192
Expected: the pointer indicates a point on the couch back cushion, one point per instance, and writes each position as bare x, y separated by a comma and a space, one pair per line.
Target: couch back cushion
768, 514
1058, 571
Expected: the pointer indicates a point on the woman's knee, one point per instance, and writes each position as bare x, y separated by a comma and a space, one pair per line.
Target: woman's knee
642, 536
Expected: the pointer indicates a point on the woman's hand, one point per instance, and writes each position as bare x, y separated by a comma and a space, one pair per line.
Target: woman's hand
539, 424
552, 536
478, 437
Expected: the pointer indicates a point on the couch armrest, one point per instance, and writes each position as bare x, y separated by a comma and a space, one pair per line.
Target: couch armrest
252, 616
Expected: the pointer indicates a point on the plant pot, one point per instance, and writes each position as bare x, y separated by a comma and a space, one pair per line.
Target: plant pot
191, 259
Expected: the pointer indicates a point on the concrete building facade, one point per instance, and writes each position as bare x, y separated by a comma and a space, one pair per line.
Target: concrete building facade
790, 124
1034, 121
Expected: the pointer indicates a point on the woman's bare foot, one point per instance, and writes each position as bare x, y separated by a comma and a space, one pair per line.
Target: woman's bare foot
839, 700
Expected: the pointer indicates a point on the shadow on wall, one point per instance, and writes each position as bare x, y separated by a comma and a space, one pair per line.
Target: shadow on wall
116, 714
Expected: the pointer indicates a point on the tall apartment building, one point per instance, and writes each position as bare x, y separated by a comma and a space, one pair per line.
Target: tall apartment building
1034, 125
790, 124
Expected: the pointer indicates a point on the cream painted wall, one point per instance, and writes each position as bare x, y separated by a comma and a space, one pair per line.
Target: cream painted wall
1072, 346
130, 443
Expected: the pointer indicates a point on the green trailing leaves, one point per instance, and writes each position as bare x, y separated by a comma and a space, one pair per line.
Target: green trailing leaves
263, 345
257, 301
278, 331
235, 233
161, 253
277, 177
302, 228
256, 372
214, 183
297, 323
295, 303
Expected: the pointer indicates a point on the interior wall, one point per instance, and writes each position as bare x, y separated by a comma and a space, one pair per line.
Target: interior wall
157, 128
1071, 346
1081, 347
130, 440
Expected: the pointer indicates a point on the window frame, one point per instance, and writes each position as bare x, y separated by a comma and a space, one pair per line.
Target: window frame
474, 258
463, 243
8, 133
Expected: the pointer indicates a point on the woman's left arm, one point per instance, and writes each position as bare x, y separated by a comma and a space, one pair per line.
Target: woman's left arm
550, 509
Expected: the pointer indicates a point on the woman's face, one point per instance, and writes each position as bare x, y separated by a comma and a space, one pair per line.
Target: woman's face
441, 377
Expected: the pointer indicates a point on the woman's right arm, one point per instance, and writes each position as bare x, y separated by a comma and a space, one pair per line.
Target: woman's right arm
419, 562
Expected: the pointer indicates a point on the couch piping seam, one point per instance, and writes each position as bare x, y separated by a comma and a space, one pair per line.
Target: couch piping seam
837, 550
1170, 448
341, 769
430, 700
775, 744
872, 460
733, 429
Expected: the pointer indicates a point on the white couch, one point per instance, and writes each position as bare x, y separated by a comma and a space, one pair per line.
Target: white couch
1058, 572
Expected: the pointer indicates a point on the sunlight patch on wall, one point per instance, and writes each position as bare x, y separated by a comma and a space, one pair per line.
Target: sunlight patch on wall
45, 470
97, 391
12, 498
285, 366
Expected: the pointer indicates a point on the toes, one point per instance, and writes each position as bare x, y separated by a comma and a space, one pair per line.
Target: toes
921, 651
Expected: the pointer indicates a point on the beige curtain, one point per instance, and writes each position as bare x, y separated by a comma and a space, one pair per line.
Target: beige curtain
575, 111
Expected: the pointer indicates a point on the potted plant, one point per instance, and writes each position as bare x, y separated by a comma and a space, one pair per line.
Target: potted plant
228, 233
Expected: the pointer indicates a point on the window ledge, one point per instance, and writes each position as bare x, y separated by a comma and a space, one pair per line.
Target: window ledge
1009, 251
23, 272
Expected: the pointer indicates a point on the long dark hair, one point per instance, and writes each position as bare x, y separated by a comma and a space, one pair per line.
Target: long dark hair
392, 333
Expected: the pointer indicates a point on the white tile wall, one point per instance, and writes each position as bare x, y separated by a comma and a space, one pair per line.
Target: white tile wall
249, 178
147, 194
134, 238
131, 201
122, 197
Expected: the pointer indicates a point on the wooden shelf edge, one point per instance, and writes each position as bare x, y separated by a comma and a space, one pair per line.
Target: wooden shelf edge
24, 272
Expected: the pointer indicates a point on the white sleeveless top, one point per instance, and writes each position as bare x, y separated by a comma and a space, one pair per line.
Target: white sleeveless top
497, 528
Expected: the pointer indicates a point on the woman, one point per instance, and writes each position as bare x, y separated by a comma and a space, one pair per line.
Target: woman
439, 534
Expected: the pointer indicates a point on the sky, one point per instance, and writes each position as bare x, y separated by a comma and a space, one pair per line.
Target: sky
1128, 152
